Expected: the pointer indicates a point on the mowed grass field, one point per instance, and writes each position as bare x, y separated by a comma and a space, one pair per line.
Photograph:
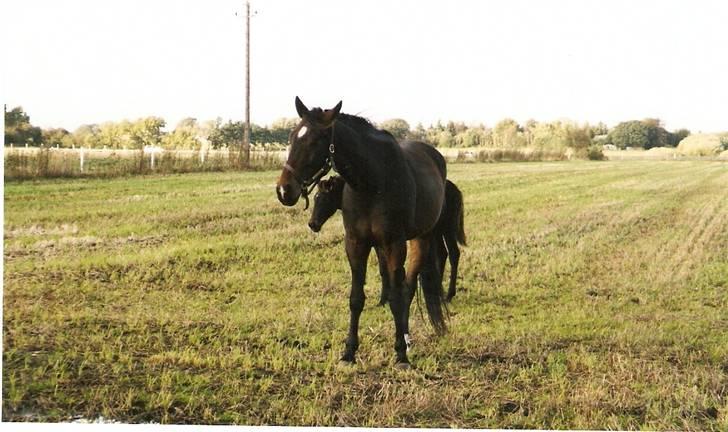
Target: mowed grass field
592, 295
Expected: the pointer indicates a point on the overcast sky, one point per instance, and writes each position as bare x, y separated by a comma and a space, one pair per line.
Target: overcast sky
73, 62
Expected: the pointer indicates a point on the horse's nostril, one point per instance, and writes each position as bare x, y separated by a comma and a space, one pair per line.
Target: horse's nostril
314, 227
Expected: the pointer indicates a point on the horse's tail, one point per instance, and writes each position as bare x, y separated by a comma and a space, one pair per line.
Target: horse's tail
431, 283
431, 280
456, 208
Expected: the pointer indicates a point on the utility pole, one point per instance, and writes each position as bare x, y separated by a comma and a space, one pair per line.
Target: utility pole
245, 150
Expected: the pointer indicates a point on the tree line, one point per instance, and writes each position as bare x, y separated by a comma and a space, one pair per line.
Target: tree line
192, 134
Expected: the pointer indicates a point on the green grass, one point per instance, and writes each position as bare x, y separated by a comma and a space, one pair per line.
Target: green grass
593, 296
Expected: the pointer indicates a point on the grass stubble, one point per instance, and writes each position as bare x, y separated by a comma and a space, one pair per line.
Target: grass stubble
592, 296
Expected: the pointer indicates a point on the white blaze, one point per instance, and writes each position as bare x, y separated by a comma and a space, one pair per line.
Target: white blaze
302, 131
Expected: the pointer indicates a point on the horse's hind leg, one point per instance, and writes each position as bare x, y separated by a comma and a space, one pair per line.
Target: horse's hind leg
442, 255
417, 252
358, 253
395, 254
452, 246
385, 277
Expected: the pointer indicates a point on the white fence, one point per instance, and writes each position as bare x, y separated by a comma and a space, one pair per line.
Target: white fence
83, 155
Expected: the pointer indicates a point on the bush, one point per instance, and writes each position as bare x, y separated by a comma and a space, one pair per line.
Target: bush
511, 155
595, 152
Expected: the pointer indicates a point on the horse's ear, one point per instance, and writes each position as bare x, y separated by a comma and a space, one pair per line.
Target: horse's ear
301, 108
331, 114
324, 185
335, 110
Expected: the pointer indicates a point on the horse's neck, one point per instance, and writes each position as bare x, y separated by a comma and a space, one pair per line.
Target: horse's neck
356, 161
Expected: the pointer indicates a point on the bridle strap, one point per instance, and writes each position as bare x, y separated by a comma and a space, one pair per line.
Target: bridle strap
307, 186
332, 150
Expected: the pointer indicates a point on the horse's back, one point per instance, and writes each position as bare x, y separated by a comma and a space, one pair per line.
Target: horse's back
429, 172
416, 150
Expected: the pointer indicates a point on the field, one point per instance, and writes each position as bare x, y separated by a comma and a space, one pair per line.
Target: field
592, 295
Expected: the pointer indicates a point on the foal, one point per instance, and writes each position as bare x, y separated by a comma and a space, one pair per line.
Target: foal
328, 199
325, 203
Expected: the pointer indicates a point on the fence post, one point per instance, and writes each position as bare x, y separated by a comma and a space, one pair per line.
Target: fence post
202, 157
153, 159
81, 157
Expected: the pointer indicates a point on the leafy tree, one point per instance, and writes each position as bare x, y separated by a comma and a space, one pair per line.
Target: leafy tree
647, 134
577, 137
57, 137
723, 142
549, 136
444, 139
184, 136
674, 138
207, 127
18, 129
280, 129
399, 128
418, 133
456, 128
113, 135
88, 136
472, 137
632, 133
599, 129
656, 134
507, 134
147, 132
228, 135
528, 131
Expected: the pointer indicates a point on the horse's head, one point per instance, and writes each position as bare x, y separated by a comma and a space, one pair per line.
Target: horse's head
308, 152
326, 201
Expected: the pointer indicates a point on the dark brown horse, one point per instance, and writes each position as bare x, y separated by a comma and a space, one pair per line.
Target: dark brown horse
328, 200
393, 193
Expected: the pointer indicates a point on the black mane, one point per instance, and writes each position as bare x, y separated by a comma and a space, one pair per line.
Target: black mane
362, 125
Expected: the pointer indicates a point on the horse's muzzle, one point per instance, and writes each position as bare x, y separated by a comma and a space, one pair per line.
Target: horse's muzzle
314, 226
286, 195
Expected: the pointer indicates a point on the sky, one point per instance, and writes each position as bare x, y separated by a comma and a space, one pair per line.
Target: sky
76, 62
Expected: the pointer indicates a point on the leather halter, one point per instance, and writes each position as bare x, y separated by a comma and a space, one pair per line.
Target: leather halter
308, 185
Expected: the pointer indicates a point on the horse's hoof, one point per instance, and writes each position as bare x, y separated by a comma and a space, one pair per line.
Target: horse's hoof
403, 366
347, 358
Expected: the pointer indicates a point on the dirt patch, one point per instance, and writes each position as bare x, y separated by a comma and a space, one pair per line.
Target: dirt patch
37, 231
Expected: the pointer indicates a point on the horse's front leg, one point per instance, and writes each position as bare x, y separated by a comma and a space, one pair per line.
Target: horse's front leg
384, 275
395, 254
358, 252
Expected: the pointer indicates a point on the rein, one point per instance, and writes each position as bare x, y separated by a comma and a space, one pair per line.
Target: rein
308, 185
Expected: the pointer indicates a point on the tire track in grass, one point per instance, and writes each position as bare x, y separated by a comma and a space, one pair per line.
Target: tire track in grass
691, 206
713, 220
